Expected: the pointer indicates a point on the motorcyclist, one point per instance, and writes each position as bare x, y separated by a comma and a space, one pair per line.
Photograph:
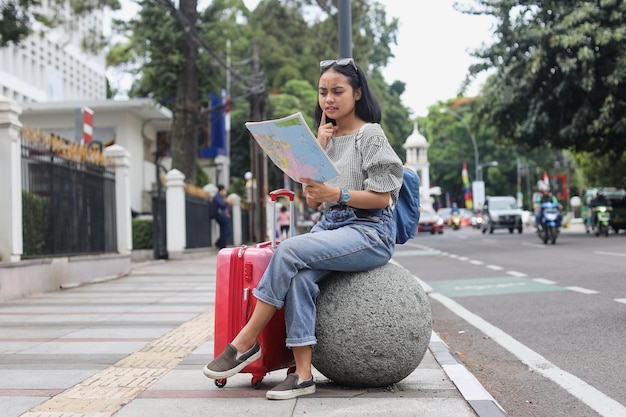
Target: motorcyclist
597, 201
455, 216
545, 197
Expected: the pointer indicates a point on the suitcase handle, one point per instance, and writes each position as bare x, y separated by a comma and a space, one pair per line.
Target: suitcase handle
282, 192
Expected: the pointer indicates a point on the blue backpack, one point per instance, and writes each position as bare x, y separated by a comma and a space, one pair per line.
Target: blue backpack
406, 212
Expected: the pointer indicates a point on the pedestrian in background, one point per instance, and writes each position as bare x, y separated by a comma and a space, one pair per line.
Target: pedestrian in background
220, 211
284, 221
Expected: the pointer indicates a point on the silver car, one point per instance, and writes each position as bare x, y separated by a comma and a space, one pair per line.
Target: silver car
501, 212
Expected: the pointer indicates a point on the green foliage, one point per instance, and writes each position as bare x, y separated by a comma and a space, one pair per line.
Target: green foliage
238, 186
15, 21
284, 78
142, 234
17, 17
451, 145
35, 224
202, 178
559, 74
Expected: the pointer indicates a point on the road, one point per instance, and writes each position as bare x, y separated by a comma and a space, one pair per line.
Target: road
542, 327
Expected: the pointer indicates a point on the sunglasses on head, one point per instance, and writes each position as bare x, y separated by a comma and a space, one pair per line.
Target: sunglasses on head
327, 63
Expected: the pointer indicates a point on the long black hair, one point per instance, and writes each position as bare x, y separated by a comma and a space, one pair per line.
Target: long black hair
368, 107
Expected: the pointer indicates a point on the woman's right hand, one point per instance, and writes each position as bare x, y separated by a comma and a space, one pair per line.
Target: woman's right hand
325, 131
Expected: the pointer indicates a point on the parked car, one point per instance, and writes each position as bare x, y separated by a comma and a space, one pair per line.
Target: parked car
501, 212
430, 222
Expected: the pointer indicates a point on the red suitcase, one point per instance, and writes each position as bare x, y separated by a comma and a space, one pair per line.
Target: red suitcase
239, 270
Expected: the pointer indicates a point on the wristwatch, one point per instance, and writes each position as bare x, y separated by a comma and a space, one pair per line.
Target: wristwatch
345, 196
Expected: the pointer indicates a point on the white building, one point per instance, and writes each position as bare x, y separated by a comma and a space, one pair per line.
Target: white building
133, 124
416, 147
50, 64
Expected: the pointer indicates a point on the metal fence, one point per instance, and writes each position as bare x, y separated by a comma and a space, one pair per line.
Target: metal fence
198, 222
68, 198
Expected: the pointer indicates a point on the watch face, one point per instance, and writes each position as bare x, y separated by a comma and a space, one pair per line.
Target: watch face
346, 196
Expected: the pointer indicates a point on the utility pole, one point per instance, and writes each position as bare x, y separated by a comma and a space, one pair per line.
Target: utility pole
257, 156
345, 29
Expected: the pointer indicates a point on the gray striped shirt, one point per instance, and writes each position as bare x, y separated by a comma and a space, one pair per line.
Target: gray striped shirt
366, 161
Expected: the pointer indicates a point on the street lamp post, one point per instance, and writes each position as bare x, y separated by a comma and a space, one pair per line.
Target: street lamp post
460, 118
486, 165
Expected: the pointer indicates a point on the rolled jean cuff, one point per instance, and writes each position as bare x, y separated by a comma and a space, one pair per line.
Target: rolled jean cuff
268, 300
302, 341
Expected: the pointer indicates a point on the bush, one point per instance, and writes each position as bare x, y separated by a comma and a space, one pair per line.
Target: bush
142, 234
35, 224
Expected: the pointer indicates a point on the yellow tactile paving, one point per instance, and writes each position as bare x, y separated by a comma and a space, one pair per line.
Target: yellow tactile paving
104, 393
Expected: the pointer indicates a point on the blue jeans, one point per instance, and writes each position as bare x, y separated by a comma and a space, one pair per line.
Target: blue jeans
344, 240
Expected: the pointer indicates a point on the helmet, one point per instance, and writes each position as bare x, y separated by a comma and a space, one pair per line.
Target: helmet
542, 186
599, 194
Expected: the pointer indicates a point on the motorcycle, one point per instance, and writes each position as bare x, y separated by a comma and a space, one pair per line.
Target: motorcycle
603, 220
549, 226
455, 221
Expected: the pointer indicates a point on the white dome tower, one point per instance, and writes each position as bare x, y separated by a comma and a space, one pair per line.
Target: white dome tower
416, 147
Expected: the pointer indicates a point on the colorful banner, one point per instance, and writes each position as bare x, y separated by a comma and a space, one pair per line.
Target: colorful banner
466, 187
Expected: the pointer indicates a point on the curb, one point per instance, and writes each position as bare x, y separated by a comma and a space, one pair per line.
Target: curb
483, 404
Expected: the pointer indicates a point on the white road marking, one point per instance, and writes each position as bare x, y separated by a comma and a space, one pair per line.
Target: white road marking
516, 274
600, 402
582, 290
544, 281
494, 267
474, 262
609, 253
534, 245
620, 300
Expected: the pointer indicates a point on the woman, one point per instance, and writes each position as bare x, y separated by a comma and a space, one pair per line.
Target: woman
357, 232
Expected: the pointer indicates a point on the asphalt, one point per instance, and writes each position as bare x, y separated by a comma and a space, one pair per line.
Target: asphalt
135, 347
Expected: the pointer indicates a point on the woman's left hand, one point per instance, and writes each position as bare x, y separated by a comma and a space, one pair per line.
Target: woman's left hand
318, 192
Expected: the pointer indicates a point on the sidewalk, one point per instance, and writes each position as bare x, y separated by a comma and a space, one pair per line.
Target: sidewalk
135, 347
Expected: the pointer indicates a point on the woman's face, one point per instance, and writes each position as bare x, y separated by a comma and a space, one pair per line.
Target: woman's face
336, 96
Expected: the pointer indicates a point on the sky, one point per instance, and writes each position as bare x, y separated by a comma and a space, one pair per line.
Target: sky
432, 54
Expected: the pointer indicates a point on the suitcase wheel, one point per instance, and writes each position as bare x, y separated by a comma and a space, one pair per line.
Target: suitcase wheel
220, 383
256, 381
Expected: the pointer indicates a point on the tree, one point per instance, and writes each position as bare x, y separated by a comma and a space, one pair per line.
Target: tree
18, 15
288, 58
559, 76
451, 146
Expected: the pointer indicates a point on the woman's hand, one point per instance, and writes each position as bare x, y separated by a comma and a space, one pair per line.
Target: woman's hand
318, 192
325, 131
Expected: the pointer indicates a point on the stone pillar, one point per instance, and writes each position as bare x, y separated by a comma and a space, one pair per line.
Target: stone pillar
235, 202
176, 215
124, 225
11, 241
212, 189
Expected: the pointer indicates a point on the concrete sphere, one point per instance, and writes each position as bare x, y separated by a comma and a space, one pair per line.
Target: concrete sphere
373, 327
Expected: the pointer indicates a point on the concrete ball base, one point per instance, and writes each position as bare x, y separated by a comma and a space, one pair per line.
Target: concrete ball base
373, 327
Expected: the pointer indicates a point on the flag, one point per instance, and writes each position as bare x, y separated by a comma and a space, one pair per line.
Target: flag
215, 143
466, 187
